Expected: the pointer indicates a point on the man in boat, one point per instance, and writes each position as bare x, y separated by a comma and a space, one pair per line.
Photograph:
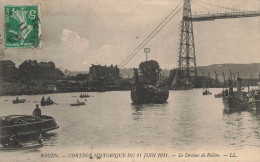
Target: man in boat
48, 99
37, 111
230, 92
17, 99
13, 141
39, 140
226, 92
43, 99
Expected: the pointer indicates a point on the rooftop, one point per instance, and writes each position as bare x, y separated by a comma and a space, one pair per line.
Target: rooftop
7, 62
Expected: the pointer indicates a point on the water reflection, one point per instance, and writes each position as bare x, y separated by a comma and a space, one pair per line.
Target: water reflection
241, 129
255, 112
142, 107
137, 108
143, 110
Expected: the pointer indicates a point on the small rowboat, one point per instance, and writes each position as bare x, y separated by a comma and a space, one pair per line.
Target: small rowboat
84, 95
78, 104
206, 92
218, 95
47, 102
18, 101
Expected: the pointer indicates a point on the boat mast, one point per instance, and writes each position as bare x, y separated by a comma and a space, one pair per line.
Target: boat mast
224, 84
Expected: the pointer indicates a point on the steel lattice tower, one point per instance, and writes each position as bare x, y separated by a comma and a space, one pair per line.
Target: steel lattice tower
187, 57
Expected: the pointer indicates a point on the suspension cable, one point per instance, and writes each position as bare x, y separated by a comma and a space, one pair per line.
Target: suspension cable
233, 9
166, 35
196, 3
149, 39
159, 27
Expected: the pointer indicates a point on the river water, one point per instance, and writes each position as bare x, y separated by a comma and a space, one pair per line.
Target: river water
188, 121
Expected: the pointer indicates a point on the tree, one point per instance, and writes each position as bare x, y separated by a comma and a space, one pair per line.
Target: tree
82, 77
150, 70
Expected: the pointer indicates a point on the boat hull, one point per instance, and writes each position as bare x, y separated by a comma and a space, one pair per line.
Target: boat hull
157, 97
18, 101
232, 104
47, 103
84, 96
25, 126
77, 104
220, 95
206, 93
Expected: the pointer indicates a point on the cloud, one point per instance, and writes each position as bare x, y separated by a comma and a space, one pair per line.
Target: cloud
76, 52
73, 41
72, 52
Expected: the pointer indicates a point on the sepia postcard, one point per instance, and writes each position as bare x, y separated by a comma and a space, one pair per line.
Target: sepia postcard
130, 80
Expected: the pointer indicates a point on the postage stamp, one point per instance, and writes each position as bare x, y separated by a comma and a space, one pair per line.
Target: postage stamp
22, 26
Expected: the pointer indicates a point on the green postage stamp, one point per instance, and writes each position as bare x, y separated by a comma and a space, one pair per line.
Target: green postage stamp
22, 26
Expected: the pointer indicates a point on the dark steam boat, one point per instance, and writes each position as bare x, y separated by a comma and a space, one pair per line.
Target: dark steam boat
239, 100
142, 94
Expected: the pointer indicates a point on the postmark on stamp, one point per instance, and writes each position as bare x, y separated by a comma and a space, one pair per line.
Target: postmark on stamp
22, 26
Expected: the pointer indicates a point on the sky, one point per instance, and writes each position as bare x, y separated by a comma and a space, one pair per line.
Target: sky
78, 33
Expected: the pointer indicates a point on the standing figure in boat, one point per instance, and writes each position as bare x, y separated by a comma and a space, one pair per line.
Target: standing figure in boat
37, 111
149, 87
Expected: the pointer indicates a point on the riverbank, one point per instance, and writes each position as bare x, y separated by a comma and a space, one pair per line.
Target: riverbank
11, 89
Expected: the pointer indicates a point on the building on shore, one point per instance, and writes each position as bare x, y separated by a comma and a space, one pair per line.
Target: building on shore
32, 70
107, 73
8, 71
101, 77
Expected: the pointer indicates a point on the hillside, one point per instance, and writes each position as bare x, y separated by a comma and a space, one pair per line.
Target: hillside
245, 70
